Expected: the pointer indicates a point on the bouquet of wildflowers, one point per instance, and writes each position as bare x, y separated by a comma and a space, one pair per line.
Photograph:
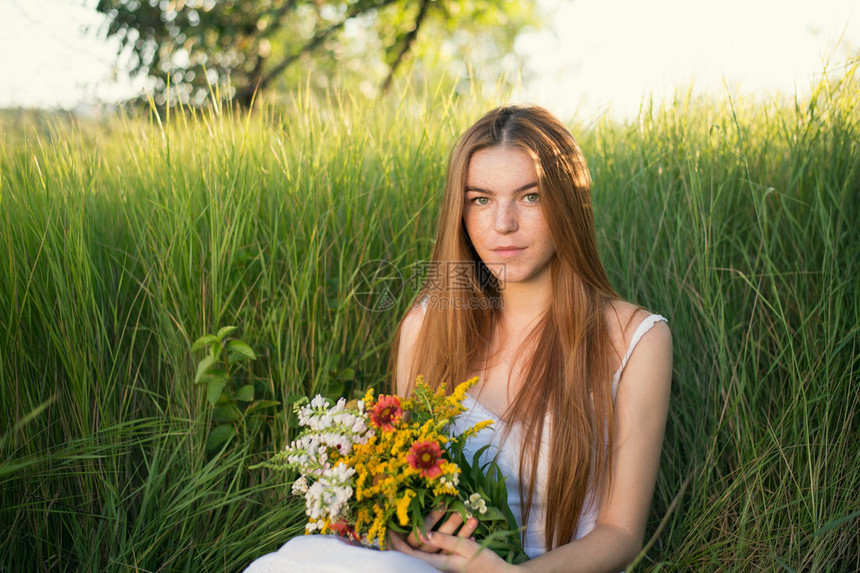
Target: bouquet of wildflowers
378, 464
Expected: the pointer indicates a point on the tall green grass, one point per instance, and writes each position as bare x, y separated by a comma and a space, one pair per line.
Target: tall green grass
123, 243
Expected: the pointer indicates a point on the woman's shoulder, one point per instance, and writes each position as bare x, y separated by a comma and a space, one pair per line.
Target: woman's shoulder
413, 320
409, 329
624, 322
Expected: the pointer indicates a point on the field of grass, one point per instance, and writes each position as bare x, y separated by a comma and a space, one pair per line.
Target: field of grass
124, 242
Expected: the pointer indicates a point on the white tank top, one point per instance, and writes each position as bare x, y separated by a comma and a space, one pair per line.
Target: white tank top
508, 458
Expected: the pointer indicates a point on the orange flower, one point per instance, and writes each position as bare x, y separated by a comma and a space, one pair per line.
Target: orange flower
386, 412
427, 457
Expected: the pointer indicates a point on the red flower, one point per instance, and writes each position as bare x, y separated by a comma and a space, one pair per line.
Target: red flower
427, 457
386, 413
344, 529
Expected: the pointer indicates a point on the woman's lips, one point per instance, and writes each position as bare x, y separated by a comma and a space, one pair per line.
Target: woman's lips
507, 250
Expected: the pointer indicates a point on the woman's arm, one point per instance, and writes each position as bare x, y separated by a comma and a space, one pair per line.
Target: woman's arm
641, 409
406, 349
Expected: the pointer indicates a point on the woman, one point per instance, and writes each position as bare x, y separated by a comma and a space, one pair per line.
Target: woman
576, 379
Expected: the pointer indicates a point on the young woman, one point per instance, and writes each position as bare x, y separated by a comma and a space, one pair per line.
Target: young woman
576, 379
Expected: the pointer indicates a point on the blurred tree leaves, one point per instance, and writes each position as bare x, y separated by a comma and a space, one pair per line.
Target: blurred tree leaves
239, 46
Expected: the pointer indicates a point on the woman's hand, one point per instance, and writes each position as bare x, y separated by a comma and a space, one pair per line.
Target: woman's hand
450, 547
454, 524
453, 553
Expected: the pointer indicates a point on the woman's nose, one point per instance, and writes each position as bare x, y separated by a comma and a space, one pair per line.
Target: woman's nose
506, 219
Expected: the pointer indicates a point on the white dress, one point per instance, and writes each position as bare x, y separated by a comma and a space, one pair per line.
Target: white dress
331, 554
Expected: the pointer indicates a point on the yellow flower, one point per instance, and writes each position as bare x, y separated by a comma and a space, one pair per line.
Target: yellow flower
378, 529
475, 429
363, 517
368, 398
460, 391
403, 506
444, 489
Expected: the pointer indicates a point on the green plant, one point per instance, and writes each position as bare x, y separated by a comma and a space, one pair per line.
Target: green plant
122, 242
235, 407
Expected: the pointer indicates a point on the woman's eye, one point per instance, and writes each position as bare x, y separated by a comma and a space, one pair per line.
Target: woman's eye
480, 200
531, 198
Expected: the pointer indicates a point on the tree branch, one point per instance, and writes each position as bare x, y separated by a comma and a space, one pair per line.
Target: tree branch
245, 94
407, 45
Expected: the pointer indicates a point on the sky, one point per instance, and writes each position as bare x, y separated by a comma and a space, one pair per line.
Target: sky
595, 57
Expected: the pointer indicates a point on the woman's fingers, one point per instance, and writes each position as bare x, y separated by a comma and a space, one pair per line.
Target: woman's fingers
442, 560
468, 528
454, 521
430, 520
454, 525
438, 560
449, 543
455, 553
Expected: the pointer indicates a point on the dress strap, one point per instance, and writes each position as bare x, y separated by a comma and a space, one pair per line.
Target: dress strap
640, 331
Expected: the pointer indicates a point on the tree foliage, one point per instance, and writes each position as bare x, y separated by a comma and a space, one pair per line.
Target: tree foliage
245, 46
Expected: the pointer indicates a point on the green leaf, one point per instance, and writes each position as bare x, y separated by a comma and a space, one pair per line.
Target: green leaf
203, 342
226, 413
215, 374
234, 357
215, 350
219, 436
202, 367
214, 389
457, 507
492, 514
397, 527
245, 393
334, 390
260, 405
242, 349
346, 374
225, 331
836, 523
417, 519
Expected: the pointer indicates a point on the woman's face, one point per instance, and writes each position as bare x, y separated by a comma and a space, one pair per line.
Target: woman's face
504, 217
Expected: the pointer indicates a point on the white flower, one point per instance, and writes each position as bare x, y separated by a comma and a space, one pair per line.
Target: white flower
300, 486
477, 503
328, 497
453, 479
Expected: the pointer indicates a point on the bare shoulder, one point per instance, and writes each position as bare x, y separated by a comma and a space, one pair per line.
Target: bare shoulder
409, 329
622, 320
650, 362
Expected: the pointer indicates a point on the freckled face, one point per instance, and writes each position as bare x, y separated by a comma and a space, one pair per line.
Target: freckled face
504, 217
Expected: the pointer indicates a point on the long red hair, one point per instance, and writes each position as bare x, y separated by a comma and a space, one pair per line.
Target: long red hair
569, 372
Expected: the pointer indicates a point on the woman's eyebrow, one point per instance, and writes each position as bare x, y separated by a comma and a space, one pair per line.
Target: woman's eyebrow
525, 187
